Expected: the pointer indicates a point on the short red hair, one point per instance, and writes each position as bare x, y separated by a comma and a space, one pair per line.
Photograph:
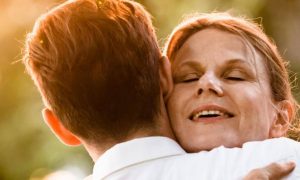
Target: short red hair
96, 65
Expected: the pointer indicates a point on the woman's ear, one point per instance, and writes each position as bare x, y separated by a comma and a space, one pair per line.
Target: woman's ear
64, 135
281, 123
166, 81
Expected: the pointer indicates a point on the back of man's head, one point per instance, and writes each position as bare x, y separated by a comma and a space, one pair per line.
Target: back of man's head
96, 66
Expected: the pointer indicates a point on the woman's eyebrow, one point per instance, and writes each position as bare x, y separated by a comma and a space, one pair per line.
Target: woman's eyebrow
240, 63
195, 65
190, 63
233, 62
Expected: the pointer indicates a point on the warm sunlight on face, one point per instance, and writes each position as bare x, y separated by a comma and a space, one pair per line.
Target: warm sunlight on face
221, 92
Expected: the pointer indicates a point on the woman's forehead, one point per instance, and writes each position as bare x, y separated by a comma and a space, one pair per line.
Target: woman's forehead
213, 43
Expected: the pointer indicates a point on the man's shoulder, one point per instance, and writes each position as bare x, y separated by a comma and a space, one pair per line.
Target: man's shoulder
90, 177
273, 145
273, 141
267, 148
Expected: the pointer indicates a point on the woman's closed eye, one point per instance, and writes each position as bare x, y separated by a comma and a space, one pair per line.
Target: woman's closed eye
235, 78
190, 78
236, 75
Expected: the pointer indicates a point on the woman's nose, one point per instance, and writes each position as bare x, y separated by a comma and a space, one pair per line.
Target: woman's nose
210, 83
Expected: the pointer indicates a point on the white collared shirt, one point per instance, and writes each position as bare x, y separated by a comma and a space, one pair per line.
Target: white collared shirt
155, 158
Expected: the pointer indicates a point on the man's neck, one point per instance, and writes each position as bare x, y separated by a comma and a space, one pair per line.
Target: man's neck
96, 151
162, 128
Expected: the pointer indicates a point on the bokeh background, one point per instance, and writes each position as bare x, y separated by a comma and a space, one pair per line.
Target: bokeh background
28, 150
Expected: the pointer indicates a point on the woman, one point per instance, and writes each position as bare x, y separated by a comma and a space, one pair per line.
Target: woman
231, 85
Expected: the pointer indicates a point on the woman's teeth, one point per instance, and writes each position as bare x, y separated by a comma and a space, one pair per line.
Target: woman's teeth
208, 113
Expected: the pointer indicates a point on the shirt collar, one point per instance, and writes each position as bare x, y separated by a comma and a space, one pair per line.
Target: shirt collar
134, 151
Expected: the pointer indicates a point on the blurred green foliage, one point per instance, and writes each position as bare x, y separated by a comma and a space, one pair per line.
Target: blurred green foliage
28, 150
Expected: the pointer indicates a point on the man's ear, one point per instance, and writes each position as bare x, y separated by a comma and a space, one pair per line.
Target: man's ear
64, 135
166, 81
281, 123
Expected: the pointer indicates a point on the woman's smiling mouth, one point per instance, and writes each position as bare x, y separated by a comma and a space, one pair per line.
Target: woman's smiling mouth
210, 112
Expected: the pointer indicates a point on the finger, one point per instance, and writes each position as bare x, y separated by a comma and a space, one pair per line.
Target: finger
257, 174
279, 170
274, 171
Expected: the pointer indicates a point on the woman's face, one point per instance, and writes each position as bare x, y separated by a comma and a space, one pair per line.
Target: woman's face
221, 92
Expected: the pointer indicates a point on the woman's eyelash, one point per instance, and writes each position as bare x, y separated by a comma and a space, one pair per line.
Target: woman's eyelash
232, 78
190, 80
235, 78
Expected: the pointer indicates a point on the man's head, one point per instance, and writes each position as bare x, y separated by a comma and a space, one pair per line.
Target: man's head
96, 64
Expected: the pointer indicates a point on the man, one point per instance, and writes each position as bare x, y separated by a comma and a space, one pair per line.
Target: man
103, 80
